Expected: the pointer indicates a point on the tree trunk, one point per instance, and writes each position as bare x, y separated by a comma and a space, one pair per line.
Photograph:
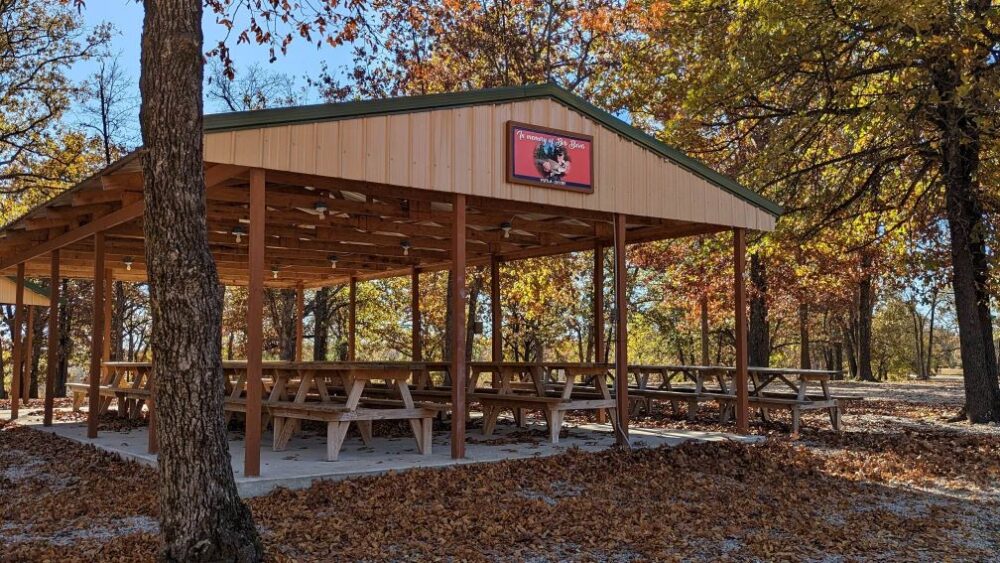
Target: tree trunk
475, 288
838, 359
118, 321
3, 388
65, 339
930, 334
282, 307
866, 303
201, 515
960, 148
41, 321
918, 341
805, 359
759, 335
321, 323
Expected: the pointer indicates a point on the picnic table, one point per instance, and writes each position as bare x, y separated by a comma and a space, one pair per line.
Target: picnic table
337, 393
551, 387
128, 383
794, 393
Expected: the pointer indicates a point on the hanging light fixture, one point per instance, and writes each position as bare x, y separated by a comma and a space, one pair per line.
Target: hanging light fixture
128, 263
321, 207
274, 272
239, 232
506, 227
333, 261
406, 247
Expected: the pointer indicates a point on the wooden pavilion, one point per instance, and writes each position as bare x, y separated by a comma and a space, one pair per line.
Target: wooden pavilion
311, 196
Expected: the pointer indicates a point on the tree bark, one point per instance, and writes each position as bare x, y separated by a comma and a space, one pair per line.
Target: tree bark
281, 304
3, 389
805, 357
866, 302
959, 149
321, 323
65, 339
118, 322
201, 515
838, 359
918, 341
759, 336
35, 353
474, 289
930, 334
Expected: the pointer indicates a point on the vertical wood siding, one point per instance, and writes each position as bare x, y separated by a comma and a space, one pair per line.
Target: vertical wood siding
462, 150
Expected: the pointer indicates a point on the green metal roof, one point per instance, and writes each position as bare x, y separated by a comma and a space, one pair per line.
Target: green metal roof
347, 110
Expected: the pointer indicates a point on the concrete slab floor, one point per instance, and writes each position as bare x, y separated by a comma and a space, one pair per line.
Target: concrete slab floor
305, 459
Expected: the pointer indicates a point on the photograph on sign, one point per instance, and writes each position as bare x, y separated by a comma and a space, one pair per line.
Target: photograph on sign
539, 156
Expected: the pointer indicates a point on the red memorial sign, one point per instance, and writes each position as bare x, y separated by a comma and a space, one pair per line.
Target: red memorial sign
539, 156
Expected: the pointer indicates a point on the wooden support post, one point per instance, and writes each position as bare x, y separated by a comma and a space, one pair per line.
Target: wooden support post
417, 337
96, 338
53, 356
300, 311
621, 332
599, 303
352, 320
496, 316
255, 326
458, 324
739, 288
598, 330
28, 356
16, 353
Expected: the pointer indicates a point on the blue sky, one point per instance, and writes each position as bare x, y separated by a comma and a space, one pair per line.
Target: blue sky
303, 59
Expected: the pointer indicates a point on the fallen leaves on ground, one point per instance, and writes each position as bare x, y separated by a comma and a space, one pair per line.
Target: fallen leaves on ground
900, 483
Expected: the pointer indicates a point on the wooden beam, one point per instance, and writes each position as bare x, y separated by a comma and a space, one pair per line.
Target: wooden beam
417, 338
53, 344
96, 338
215, 175
129, 212
255, 324
352, 319
15, 384
740, 298
300, 312
496, 316
123, 215
621, 333
122, 181
458, 366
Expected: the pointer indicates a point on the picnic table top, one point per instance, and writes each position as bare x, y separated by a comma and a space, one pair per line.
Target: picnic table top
383, 364
408, 365
338, 366
711, 368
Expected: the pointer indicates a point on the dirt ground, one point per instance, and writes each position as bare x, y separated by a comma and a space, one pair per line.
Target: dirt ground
900, 483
